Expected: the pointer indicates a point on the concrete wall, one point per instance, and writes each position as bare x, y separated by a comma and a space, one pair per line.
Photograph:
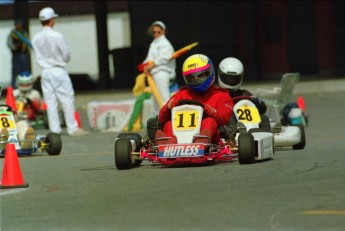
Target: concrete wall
80, 33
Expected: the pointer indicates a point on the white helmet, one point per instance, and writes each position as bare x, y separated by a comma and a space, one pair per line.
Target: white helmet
230, 73
25, 81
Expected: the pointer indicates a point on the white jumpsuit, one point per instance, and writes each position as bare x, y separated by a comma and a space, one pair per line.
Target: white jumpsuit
163, 72
52, 54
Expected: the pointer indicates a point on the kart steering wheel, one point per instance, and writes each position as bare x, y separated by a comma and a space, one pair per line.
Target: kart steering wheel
5, 107
191, 101
240, 97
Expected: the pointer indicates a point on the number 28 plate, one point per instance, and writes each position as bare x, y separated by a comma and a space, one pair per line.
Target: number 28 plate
248, 114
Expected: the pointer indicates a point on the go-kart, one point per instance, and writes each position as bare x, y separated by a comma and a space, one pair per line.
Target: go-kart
289, 136
50, 143
131, 149
284, 136
251, 129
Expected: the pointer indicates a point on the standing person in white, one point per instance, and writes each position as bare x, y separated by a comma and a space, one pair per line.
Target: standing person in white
160, 65
52, 54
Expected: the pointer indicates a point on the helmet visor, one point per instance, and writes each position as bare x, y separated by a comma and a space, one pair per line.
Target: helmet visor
197, 78
230, 80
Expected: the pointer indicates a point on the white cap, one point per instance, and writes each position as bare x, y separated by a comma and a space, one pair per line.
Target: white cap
47, 13
159, 23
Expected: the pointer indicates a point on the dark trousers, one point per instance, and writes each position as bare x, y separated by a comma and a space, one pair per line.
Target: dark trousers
20, 63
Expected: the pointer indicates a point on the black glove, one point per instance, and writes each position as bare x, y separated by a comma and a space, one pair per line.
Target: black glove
256, 100
261, 105
28, 101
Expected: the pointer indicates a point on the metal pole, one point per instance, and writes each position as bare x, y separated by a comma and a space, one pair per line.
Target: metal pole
100, 8
21, 12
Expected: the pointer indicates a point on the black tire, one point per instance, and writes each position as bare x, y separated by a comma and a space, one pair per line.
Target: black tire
45, 119
123, 149
265, 123
246, 149
137, 138
54, 144
301, 144
152, 125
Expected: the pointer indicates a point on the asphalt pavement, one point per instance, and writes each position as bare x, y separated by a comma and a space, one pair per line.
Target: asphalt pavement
81, 189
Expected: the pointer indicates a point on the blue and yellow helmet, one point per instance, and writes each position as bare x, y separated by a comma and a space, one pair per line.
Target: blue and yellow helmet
198, 72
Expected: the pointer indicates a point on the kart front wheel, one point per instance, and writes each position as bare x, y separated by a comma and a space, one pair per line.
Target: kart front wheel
301, 144
246, 149
123, 149
136, 137
53, 143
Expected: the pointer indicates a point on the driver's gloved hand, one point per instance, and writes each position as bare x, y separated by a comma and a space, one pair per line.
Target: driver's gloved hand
208, 110
172, 103
256, 100
28, 101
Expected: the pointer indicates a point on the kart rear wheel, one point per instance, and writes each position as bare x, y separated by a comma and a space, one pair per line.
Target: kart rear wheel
123, 149
246, 149
301, 144
54, 144
137, 139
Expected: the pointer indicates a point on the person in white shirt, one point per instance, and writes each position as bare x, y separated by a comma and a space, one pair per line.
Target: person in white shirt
52, 54
159, 62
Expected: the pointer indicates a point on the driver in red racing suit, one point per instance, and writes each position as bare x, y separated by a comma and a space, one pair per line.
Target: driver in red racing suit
199, 75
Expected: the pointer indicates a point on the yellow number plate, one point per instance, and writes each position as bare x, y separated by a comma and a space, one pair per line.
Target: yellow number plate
186, 120
6, 121
248, 114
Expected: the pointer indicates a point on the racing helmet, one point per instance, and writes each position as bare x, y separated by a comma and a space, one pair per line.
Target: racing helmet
25, 81
198, 72
230, 73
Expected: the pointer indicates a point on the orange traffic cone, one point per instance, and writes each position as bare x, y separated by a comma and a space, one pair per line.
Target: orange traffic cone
12, 175
10, 100
301, 104
44, 106
77, 118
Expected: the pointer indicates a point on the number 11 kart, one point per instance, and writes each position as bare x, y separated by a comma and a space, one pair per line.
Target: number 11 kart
131, 149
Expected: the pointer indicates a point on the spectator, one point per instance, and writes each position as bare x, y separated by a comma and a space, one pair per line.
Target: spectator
159, 62
143, 92
52, 55
19, 44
